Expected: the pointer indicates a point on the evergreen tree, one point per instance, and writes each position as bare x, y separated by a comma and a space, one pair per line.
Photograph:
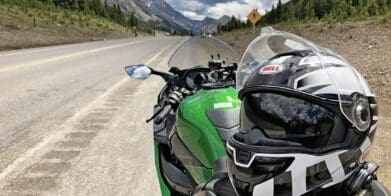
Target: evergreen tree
132, 20
382, 6
98, 8
279, 11
74, 4
372, 8
289, 13
83, 5
340, 10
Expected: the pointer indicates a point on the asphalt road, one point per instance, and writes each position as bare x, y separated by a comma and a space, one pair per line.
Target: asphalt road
73, 123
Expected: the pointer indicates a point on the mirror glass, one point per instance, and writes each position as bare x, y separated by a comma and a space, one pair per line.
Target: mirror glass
140, 72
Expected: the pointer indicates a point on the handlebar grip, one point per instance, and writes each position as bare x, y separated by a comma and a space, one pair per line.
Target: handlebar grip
166, 110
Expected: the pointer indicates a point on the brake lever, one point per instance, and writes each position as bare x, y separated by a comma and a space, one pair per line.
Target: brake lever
154, 115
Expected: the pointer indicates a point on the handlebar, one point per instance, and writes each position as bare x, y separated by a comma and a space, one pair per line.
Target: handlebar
163, 113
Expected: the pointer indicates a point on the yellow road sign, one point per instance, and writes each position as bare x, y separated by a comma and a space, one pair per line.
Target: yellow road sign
254, 16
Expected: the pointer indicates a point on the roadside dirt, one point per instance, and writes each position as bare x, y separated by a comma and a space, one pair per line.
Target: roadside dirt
27, 29
16, 39
367, 46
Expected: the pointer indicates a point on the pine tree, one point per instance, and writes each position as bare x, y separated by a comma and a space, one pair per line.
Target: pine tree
382, 6
272, 17
311, 10
98, 8
349, 8
83, 5
289, 13
121, 18
340, 10
74, 4
361, 9
279, 11
132, 20
372, 8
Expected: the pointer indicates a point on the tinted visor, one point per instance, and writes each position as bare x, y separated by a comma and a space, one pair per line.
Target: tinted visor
288, 118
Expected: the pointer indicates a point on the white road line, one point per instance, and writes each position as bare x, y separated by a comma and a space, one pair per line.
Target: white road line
14, 67
29, 51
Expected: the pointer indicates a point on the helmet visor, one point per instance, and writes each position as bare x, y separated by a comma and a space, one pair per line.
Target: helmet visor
288, 118
286, 60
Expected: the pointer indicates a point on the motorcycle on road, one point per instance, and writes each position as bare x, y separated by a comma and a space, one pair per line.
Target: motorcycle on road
196, 113
197, 116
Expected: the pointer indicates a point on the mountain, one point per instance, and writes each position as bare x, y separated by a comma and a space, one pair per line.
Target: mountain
158, 12
209, 25
163, 14
167, 13
131, 6
224, 20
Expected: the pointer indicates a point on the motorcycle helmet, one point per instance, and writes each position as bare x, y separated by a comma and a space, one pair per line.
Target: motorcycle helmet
307, 118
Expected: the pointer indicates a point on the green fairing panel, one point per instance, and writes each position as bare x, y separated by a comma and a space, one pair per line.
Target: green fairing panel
163, 187
195, 129
200, 174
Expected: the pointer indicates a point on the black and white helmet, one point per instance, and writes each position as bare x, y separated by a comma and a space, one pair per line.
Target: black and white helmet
307, 118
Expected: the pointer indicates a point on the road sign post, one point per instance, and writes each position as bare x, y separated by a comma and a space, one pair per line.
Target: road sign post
254, 17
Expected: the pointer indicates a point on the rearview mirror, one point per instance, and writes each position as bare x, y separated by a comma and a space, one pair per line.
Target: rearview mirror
140, 72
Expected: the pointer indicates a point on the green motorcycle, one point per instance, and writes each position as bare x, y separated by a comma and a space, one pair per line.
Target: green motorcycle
196, 113
291, 142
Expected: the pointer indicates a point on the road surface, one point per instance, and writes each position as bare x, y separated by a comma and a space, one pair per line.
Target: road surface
73, 123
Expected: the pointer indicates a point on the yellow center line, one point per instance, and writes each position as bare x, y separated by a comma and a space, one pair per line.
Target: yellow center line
62, 57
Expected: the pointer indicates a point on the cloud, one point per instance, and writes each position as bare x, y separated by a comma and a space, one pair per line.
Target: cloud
192, 15
199, 9
187, 5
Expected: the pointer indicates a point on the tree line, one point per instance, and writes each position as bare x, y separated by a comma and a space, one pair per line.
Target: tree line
95, 7
233, 23
310, 10
98, 8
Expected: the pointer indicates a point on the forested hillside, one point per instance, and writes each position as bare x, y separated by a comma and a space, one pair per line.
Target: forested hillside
301, 11
32, 23
327, 9
83, 7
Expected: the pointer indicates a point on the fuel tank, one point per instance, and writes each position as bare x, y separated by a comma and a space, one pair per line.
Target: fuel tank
204, 122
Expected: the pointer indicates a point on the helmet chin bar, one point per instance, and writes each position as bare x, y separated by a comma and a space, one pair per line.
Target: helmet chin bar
361, 178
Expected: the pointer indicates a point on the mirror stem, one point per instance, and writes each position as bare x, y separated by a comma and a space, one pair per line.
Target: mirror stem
167, 77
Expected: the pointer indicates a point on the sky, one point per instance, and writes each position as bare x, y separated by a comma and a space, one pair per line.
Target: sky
199, 9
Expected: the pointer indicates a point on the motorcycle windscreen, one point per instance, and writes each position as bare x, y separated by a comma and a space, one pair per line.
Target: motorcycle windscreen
197, 51
307, 68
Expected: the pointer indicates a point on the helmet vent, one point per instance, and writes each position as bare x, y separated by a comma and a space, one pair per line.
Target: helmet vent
243, 156
317, 175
